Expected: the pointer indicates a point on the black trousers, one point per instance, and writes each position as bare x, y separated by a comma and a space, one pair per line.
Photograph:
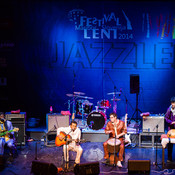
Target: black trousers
170, 151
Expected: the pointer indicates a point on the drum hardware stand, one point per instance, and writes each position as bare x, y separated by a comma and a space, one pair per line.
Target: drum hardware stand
136, 109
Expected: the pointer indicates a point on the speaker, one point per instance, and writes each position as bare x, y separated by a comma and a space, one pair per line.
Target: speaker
56, 120
134, 84
139, 166
87, 168
150, 123
18, 121
43, 168
20, 135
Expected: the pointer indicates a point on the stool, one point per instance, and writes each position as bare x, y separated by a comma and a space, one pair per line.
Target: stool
111, 146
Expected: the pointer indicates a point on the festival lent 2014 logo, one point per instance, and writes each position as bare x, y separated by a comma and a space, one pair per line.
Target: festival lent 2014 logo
108, 27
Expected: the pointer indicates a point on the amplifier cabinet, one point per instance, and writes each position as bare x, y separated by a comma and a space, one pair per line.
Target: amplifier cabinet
139, 166
16, 118
153, 123
18, 121
56, 120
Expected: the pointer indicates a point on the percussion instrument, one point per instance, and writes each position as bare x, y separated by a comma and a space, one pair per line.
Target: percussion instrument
87, 107
83, 107
79, 107
171, 133
79, 93
110, 144
104, 104
96, 120
85, 97
114, 93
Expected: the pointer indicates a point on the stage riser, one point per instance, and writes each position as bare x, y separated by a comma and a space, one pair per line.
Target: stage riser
95, 137
91, 137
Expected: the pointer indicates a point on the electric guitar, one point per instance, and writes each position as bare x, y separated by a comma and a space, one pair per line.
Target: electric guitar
5, 133
59, 142
127, 136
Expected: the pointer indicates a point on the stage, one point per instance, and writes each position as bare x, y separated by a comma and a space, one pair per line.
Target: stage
93, 151
40, 146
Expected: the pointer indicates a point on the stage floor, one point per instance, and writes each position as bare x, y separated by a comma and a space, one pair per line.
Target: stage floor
92, 151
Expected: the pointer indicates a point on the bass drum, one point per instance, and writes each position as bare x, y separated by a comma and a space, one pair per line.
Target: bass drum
96, 120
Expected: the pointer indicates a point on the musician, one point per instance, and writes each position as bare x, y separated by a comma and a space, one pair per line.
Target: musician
118, 128
170, 119
75, 133
6, 125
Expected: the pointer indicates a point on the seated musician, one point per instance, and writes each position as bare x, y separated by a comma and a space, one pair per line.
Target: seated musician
115, 126
8, 139
170, 119
74, 145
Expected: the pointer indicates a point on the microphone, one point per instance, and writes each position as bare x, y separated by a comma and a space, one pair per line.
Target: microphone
55, 127
120, 92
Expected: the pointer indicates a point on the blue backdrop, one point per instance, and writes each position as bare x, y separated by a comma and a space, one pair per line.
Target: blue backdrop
61, 47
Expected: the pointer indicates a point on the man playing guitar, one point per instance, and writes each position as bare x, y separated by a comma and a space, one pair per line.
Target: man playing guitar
8, 139
74, 145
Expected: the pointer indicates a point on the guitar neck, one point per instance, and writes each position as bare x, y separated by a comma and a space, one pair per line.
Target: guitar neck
4, 133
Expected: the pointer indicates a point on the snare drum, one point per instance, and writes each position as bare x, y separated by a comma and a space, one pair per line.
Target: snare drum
111, 143
104, 104
96, 120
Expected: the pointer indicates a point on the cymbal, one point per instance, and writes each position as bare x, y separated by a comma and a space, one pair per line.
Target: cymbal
85, 97
79, 93
116, 99
113, 93
70, 95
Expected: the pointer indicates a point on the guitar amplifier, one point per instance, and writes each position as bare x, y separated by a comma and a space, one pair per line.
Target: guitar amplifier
16, 118
55, 120
153, 123
18, 121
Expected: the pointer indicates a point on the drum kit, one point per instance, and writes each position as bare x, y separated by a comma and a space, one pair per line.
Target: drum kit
81, 106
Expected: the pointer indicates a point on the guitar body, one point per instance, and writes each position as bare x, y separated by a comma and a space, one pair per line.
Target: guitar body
5, 134
171, 133
59, 142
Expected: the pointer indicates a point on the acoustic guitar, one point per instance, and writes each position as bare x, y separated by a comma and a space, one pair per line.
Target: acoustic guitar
5, 133
59, 142
171, 134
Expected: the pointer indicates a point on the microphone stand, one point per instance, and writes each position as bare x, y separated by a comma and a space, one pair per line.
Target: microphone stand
65, 139
155, 163
114, 164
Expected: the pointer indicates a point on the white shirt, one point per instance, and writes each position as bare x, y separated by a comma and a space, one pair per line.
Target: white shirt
74, 134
